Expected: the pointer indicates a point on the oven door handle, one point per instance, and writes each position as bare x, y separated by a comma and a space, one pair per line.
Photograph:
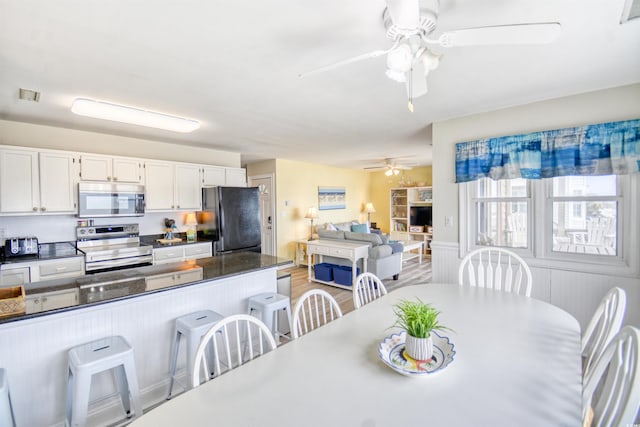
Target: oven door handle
90, 266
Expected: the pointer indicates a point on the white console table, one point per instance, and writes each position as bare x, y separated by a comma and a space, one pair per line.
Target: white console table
347, 250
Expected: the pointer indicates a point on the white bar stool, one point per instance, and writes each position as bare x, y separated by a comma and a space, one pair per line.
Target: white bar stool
193, 326
6, 410
269, 304
97, 356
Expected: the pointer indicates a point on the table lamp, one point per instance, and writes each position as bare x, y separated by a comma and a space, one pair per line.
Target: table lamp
191, 221
369, 209
311, 214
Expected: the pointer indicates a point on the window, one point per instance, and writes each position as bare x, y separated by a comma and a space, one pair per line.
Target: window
588, 220
501, 213
585, 214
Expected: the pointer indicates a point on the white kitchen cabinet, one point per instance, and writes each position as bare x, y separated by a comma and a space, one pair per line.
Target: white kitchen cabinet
51, 300
19, 181
109, 168
14, 275
213, 176
188, 194
57, 179
172, 186
33, 182
236, 177
159, 281
158, 178
182, 253
58, 268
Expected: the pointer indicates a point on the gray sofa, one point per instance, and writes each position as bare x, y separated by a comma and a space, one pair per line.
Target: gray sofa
385, 259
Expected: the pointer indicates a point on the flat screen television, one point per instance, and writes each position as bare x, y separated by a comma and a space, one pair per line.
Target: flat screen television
420, 215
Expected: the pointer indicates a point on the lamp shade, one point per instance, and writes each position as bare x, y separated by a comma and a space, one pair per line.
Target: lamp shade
190, 219
368, 208
311, 213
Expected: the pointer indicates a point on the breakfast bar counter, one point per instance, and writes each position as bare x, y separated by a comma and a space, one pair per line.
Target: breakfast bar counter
140, 304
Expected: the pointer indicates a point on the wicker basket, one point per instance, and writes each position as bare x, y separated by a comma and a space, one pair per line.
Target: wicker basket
12, 301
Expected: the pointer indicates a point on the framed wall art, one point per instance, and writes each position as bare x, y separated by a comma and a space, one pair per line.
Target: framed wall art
331, 198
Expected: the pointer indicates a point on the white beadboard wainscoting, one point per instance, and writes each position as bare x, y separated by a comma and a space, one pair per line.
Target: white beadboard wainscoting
34, 351
576, 292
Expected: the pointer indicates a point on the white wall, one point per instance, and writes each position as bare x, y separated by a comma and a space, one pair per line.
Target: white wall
581, 293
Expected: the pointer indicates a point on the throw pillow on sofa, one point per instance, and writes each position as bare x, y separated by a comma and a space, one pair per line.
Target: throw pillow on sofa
360, 228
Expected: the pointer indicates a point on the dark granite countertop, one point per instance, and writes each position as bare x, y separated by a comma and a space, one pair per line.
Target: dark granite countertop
153, 240
47, 251
110, 286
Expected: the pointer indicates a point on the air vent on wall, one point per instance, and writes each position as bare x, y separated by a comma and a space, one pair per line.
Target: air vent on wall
630, 11
29, 95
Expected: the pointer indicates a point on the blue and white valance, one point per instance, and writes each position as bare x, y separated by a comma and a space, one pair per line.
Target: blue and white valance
601, 149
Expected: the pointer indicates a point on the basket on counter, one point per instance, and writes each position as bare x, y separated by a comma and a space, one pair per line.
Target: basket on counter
12, 301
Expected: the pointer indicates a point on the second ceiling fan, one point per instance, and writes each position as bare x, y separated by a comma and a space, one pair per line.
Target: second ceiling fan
409, 25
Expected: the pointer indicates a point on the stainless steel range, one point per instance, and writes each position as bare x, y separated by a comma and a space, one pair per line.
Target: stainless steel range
110, 247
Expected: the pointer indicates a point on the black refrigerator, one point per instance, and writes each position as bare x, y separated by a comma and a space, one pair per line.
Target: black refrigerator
231, 218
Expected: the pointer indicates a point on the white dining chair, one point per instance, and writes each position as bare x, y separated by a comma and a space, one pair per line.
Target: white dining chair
495, 268
241, 334
368, 287
314, 309
616, 373
604, 325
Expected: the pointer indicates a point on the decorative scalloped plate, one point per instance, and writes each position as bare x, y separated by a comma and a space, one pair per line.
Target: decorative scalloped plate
393, 354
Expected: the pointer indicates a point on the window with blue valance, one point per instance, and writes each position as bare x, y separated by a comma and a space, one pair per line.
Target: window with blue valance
600, 149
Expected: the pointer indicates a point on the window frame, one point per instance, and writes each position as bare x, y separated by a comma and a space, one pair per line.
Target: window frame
540, 216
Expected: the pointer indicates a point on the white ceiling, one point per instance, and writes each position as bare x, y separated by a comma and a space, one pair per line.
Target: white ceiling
233, 65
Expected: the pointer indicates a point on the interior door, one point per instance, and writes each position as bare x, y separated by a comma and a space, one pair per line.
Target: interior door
267, 212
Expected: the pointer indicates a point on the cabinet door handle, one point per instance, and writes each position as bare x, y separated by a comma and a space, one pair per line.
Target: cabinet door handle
35, 209
44, 299
43, 209
115, 178
61, 268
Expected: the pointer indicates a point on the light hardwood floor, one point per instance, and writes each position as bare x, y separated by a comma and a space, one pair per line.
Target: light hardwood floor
412, 274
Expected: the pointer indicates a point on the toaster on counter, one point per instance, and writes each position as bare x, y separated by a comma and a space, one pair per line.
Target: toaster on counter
19, 246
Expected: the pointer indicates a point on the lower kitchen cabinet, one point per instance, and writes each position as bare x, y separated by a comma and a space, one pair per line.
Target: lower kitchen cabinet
172, 279
182, 253
14, 276
51, 300
59, 268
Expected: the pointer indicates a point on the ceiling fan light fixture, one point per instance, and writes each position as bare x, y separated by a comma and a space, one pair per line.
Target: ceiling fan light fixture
396, 75
132, 115
400, 58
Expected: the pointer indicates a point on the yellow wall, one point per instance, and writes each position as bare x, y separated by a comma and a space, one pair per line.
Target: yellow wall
297, 189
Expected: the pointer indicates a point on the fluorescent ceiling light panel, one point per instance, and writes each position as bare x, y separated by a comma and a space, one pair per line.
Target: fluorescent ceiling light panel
132, 115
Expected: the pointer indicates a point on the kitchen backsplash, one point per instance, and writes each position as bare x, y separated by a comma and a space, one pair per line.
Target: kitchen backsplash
61, 228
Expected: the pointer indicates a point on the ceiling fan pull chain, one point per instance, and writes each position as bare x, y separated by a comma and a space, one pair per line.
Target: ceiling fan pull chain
410, 86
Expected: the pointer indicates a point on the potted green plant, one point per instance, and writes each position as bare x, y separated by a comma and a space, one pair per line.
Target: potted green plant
418, 319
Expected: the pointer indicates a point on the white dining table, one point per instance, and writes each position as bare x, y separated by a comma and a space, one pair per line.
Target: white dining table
516, 363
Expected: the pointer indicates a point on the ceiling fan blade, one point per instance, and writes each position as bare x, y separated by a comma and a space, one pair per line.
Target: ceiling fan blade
405, 14
416, 81
502, 34
362, 57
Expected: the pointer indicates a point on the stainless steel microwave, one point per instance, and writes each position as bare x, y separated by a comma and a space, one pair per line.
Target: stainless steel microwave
97, 199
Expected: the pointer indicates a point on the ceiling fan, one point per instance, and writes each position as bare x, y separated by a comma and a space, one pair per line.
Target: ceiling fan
390, 167
413, 54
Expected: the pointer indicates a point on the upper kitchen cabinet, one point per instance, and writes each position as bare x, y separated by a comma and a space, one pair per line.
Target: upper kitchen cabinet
217, 175
213, 176
33, 182
236, 177
109, 168
172, 186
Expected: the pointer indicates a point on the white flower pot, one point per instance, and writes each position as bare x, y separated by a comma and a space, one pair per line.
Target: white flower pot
419, 348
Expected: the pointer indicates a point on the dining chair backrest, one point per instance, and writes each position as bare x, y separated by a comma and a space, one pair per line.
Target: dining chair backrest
615, 374
495, 268
368, 287
604, 325
232, 342
314, 309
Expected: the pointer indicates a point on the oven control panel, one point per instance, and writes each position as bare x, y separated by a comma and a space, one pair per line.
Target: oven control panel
107, 231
